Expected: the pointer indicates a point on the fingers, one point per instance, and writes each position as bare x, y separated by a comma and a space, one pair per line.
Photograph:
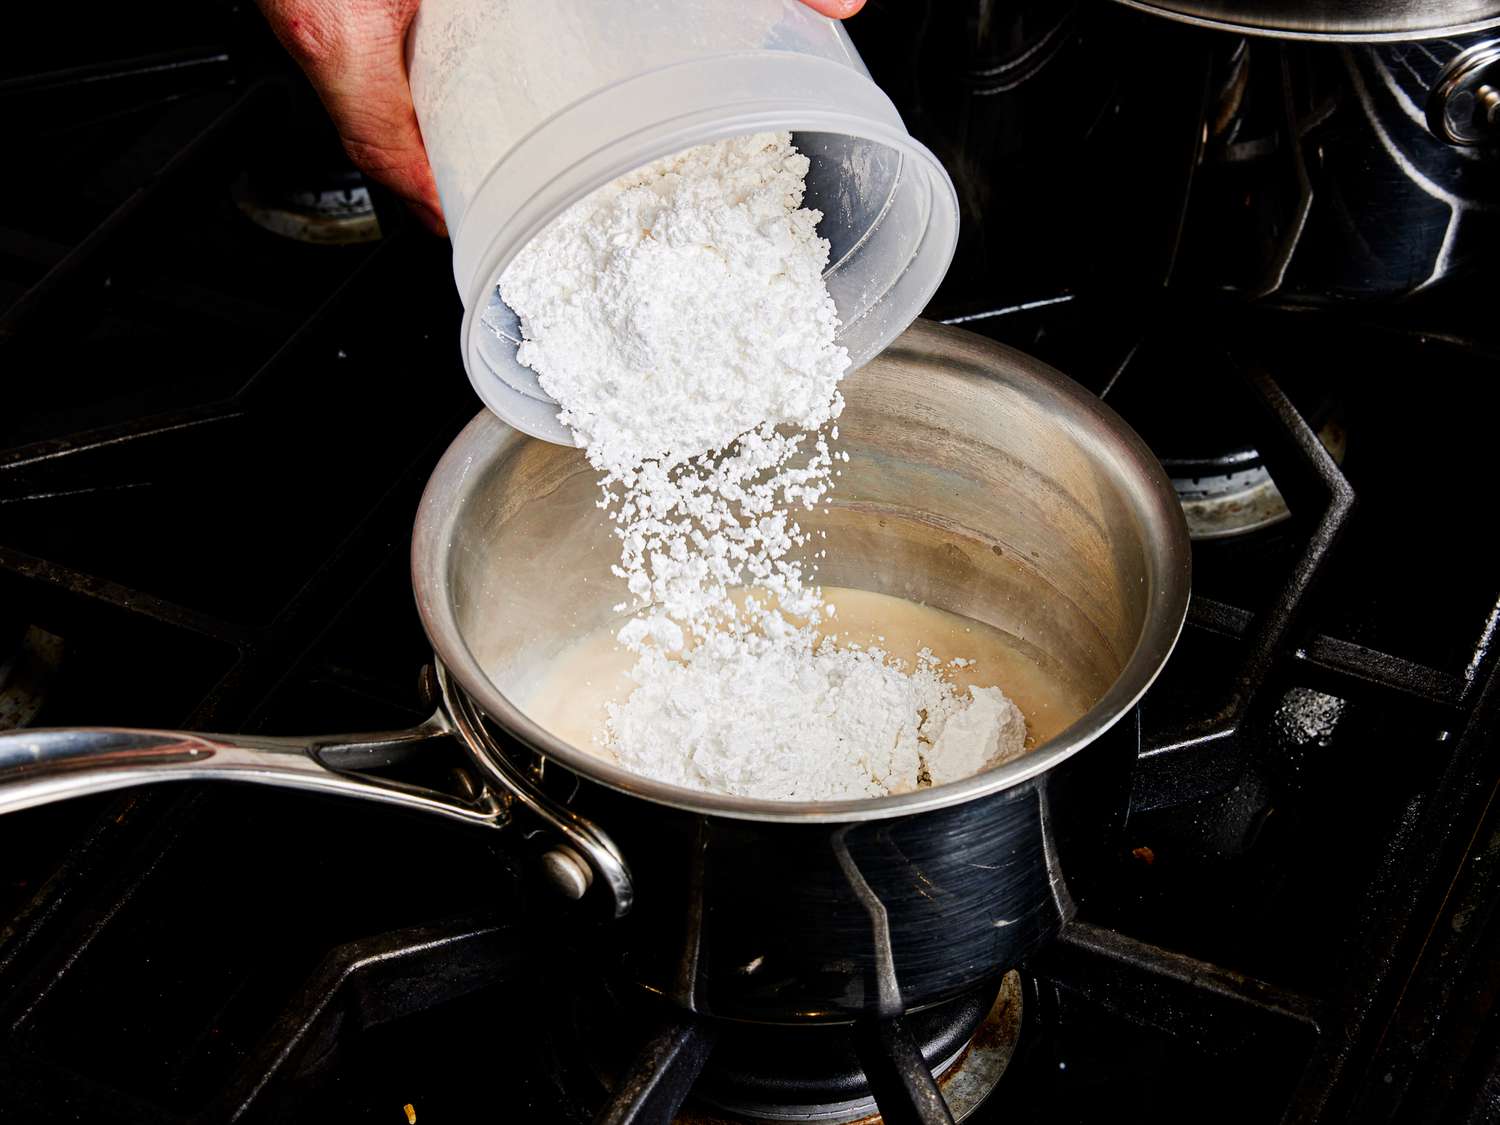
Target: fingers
835, 9
353, 54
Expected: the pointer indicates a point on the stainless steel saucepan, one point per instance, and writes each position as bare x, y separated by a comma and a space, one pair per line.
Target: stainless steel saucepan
980, 481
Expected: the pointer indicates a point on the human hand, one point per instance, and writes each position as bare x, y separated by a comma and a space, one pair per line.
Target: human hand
835, 9
353, 53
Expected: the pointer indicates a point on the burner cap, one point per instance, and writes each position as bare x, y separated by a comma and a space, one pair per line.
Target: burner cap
766, 1072
813, 1073
1191, 410
1223, 504
329, 211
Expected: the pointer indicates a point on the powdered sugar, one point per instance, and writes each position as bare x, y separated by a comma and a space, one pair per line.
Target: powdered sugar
691, 533
988, 732
680, 319
683, 305
761, 717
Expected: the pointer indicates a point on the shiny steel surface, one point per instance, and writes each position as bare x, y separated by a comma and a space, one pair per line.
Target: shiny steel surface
567, 871
820, 921
501, 771
1464, 106
1285, 172
1322, 181
1346, 21
41, 766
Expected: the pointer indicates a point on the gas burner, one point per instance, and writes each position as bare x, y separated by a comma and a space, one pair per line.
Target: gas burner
336, 213
810, 1073
1185, 398
1241, 500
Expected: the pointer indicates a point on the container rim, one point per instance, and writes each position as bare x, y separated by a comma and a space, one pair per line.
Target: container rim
477, 272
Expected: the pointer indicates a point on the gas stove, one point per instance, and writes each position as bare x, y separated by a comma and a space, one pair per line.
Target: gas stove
230, 369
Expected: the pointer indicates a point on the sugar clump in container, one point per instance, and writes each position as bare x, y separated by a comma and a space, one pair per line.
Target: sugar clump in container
682, 305
680, 319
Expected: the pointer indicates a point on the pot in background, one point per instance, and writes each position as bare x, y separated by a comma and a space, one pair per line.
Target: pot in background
1105, 153
1342, 21
1336, 174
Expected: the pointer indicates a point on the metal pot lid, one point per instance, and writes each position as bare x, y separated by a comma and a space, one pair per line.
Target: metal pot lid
1335, 21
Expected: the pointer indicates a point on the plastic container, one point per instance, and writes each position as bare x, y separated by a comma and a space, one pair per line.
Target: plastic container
527, 106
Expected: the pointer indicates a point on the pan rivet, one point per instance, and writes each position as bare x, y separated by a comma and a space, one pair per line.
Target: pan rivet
567, 871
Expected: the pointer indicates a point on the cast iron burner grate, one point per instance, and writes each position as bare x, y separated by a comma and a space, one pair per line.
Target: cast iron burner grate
207, 477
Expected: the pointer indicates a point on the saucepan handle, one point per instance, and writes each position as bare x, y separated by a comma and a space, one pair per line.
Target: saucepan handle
41, 766
585, 859
38, 767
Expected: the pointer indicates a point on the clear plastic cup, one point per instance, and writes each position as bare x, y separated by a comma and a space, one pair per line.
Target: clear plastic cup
527, 106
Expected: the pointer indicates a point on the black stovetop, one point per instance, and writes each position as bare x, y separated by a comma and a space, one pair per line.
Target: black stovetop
211, 448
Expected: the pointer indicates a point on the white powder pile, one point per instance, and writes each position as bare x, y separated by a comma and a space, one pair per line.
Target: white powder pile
765, 718
679, 318
683, 305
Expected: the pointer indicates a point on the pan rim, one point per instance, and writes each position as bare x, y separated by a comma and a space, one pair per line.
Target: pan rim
1169, 556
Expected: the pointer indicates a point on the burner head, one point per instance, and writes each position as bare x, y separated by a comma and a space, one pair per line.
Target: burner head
325, 210
764, 1072
1230, 500
1193, 413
